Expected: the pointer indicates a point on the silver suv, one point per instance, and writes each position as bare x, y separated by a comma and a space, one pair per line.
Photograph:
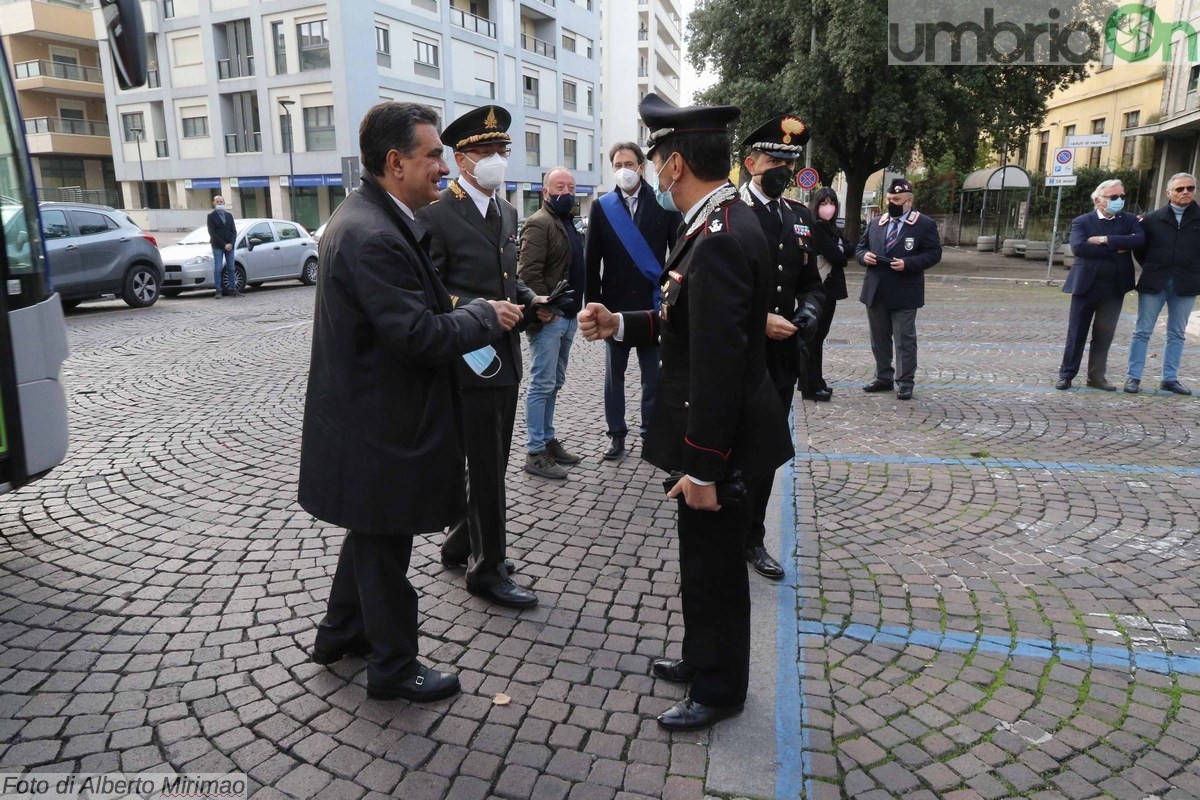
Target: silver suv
97, 250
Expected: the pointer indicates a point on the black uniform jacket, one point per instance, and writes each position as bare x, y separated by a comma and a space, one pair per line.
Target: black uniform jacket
380, 451
716, 409
612, 276
1171, 252
474, 265
920, 247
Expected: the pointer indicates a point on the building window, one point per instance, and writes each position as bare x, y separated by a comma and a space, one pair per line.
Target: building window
591, 110
530, 84
1043, 151
1129, 144
318, 129
131, 123
383, 46
485, 88
1094, 155
570, 96
168, 9
1106, 55
285, 133
533, 148
569, 153
313, 44
280, 45
426, 64
1068, 132
195, 127
1193, 79
568, 42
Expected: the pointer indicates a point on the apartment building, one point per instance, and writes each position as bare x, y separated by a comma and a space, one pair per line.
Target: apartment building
641, 46
54, 61
261, 102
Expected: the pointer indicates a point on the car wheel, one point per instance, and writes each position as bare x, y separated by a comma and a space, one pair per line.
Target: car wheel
141, 286
308, 276
240, 272
172, 292
69, 304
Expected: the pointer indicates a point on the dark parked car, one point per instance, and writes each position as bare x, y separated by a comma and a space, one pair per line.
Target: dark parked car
96, 251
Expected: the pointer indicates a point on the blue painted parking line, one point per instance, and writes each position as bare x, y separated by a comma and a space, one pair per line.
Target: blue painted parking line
791, 712
1007, 463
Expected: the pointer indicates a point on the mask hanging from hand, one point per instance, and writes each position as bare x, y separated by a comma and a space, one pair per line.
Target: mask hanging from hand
627, 179
479, 361
775, 180
489, 172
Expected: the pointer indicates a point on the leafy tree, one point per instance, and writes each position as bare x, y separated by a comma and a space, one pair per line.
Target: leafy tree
865, 114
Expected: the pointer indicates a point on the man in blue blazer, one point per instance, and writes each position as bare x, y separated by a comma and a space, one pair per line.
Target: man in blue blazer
1102, 240
615, 278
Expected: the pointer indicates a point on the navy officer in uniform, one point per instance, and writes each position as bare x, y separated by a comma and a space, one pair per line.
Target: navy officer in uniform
716, 413
473, 245
796, 296
896, 249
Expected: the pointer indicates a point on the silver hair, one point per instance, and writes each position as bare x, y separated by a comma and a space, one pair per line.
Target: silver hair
1179, 175
1096, 195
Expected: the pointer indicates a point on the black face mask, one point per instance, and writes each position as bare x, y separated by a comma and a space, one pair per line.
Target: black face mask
561, 204
895, 210
775, 180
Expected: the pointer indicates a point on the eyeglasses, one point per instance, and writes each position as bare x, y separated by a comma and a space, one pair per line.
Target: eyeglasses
1182, 189
1114, 197
506, 152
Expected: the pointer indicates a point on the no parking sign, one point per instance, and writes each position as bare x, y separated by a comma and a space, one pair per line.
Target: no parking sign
807, 178
1064, 162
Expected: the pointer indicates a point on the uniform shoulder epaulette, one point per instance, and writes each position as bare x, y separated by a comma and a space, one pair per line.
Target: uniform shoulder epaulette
456, 190
913, 216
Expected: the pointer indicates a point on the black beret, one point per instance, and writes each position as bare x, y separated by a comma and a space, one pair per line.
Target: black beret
483, 125
899, 186
779, 137
665, 120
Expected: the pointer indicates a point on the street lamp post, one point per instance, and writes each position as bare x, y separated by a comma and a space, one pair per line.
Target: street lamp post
137, 133
287, 107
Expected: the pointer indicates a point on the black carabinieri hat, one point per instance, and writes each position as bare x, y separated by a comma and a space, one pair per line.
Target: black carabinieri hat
899, 186
483, 125
665, 120
780, 137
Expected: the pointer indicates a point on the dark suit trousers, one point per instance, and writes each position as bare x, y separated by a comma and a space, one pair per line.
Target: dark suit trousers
1098, 309
615, 362
716, 603
760, 491
372, 602
901, 325
816, 369
488, 418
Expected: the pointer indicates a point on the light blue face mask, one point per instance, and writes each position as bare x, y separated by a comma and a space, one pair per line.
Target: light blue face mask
1115, 206
479, 361
663, 197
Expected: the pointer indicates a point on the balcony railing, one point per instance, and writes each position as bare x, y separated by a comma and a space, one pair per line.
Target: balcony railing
76, 127
53, 69
643, 35
470, 22
535, 45
242, 67
643, 71
160, 148
243, 142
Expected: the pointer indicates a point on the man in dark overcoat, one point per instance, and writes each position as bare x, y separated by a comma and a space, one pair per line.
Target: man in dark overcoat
473, 244
381, 452
717, 414
896, 249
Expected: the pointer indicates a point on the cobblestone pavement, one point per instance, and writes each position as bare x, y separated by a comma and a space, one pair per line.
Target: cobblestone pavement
996, 594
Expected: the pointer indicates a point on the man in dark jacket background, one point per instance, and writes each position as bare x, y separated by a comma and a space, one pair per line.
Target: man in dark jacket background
222, 235
1170, 262
1102, 241
617, 279
381, 452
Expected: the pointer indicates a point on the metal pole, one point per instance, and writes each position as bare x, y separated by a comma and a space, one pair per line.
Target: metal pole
1054, 235
291, 168
1000, 203
142, 170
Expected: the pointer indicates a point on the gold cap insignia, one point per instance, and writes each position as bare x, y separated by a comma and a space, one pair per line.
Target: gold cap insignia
490, 122
791, 126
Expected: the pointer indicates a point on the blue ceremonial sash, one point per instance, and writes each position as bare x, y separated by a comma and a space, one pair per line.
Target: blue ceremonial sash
633, 241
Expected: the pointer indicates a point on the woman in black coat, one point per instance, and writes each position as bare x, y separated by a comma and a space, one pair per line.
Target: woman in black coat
832, 252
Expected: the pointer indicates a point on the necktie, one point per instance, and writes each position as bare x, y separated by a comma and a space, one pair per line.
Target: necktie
774, 220
892, 235
221, 217
632, 203
493, 219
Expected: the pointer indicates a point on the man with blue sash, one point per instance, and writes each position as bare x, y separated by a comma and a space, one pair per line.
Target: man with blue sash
629, 235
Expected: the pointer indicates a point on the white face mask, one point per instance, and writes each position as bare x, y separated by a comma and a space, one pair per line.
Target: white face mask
220, 206
489, 172
627, 179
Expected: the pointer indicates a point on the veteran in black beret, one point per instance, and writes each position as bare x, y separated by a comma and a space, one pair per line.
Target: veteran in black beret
473, 244
896, 249
717, 419
796, 296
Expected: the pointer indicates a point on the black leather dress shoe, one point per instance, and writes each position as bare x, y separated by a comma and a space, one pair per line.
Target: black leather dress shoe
878, 386
506, 593
1063, 384
616, 449
326, 655
822, 395
672, 669
1174, 386
455, 563
688, 715
904, 392
425, 686
1101, 384
763, 564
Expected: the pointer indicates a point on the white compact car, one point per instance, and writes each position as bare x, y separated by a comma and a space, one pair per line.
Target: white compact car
267, 250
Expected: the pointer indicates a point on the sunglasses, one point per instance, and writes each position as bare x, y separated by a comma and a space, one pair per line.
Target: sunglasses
1182, 189
1114, 197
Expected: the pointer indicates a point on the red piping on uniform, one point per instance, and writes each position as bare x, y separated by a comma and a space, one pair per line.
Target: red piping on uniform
724, 456
650, 314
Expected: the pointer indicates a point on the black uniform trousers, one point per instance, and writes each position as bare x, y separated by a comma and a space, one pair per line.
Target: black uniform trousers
814, 376
716, 604
1099, 308
759, 492
479, 538
373, 606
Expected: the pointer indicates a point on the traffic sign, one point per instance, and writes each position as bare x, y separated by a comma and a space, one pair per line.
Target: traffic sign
1062, 180
807, 178
1064, 162
1089, 140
